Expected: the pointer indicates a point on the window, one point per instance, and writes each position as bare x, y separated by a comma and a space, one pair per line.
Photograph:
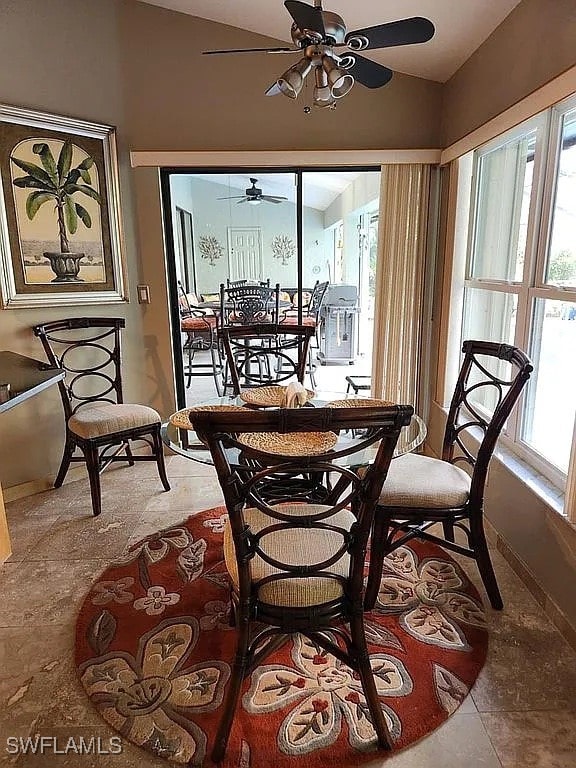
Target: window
520, 278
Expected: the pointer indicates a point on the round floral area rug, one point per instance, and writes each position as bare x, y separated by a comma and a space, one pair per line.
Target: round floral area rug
154, 648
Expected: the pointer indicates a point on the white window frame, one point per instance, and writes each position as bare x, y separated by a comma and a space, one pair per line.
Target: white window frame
532, 286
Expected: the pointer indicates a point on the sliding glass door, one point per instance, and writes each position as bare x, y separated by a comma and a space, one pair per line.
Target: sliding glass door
293, 227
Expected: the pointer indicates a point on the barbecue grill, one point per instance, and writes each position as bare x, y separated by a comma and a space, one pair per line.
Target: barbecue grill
338, 315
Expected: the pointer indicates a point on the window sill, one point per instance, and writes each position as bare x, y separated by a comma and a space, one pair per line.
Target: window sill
538, 483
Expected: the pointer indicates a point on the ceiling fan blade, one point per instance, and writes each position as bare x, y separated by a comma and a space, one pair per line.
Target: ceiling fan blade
253, 50
271, 199
245, 200
366, 72
274, 90
306, 16
234, 197
403, 32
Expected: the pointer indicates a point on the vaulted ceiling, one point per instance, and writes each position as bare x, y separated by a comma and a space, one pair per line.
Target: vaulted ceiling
461, 26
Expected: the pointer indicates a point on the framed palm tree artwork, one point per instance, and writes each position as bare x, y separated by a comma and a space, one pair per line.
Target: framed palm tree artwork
60, 225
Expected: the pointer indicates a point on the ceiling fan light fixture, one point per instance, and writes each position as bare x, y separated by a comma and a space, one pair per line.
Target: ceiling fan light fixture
322, 96
339, 80
291, 82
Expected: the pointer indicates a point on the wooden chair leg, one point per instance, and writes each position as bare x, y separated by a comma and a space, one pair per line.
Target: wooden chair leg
159, 453
129, 455
233, 694
65, 463
93, 467
448, 528
482, 554
378, 540
368, 684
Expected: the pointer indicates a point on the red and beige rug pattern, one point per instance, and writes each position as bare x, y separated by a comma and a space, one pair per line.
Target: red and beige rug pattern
154, 648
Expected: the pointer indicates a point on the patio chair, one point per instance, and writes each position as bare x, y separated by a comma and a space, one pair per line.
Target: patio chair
296, 565
310, 316
423, 491
98, 422
248, 304
264, 354
199, 325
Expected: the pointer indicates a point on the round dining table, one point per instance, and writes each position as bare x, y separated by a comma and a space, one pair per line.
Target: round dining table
185, 442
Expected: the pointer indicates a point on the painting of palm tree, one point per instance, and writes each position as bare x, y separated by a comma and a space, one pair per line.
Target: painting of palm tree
64, 186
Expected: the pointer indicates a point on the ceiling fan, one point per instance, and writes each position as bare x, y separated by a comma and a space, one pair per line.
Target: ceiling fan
318, 34
254, 196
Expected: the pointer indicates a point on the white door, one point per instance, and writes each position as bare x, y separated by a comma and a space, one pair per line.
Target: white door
244, 253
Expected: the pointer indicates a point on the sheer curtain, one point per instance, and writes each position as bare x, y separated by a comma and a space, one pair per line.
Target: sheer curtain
400, 274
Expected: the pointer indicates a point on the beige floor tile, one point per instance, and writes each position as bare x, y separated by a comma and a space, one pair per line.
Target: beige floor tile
180, 466
190, 494
26, 531
529, 664
533, 739
460, 741
85, 537
23, 654
49, 592
53, 693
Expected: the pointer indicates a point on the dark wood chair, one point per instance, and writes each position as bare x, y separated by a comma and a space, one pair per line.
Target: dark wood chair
423, 491
264, 354
199, 325
296, 565
98, 422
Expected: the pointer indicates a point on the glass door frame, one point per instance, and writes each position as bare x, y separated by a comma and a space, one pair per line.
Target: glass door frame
170, 251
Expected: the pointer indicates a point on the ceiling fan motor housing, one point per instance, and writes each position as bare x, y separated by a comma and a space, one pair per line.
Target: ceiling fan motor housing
334, 26
253, 191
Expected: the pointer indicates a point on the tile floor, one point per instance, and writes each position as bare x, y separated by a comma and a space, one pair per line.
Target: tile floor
521, 713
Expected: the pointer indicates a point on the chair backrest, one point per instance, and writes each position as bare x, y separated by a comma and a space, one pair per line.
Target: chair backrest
88, 349
317, 298
183, 302
265, 353
286, 489
466, 414
249, 304
235, 283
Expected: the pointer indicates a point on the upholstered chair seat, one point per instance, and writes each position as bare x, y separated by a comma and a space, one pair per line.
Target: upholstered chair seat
421, 481
197, 323
100, 420
297, 547
293, 320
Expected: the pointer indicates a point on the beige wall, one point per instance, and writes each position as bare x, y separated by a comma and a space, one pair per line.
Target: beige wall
534, 44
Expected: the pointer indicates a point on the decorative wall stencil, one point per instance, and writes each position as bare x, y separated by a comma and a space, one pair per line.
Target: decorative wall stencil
60, 232
283, 247
210, 248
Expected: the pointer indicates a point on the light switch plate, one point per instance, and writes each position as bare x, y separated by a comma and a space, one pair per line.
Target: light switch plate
143, 294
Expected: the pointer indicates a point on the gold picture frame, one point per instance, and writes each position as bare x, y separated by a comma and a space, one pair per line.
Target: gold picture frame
61, 240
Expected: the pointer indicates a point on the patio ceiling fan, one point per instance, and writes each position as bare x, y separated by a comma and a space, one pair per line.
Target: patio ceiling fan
254, 196
319, 35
